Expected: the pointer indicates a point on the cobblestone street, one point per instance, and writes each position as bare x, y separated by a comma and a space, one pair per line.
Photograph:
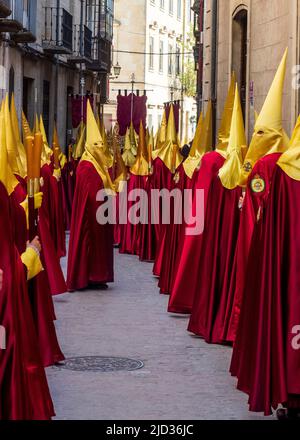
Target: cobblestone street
182, 378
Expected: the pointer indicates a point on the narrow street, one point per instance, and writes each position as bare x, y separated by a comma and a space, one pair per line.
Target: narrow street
182, 377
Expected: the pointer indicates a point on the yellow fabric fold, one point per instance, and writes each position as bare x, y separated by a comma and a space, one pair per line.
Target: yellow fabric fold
169, 153
202, 143
230, 173
7, 177
94, 151
289, 161
32, 262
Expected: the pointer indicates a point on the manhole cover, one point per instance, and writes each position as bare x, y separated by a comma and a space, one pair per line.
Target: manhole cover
101, 363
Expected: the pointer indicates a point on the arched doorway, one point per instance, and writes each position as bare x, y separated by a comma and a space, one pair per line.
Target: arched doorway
240, 52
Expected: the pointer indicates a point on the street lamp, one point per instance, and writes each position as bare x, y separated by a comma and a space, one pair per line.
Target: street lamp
117, 70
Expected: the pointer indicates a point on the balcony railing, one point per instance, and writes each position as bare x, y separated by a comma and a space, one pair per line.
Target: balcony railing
58, 34
21, 22
5, 8
28, 19
82, 45
101, 56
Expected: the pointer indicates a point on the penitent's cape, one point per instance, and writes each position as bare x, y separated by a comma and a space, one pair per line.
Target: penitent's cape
91, 244
265, 359
24, 390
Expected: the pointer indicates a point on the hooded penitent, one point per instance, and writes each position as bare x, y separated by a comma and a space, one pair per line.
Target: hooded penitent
91, 243
131, 233
167, 252
265, 357
184, 283
219, 238
24, 390
268, 142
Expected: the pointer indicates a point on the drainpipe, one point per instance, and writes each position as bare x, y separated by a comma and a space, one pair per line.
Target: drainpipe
57, 61
213, 79
201, 53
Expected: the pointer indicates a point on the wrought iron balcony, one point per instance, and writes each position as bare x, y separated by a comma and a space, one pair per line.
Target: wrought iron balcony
101, 56
28, 19
58, 36
5, 8
82, 45
21, 22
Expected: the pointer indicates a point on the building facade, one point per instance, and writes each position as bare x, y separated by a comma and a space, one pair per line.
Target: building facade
151, 40
248, 37
51, 49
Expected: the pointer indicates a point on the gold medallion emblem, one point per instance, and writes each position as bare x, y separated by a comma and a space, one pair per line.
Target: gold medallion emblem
247, 167
258, 184
176, 178
42, 182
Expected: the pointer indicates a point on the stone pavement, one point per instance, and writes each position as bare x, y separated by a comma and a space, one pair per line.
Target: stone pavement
183, 377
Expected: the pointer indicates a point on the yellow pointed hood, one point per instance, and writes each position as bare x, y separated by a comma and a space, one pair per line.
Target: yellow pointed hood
202, 142
269, 136
170, 152
11, 143
161, 135
128, 156
25, 127
94, 150
230, 173
194, 158
289, 161
109, 157
6, 175
46, 150
141, 166
80, 144
224, 130
16, 130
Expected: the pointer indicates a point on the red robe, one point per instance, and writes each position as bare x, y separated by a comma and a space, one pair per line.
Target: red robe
52, 204
147, 249
91, 255
265, 360
169, 247
131, 234
23, 385
253, 202
162, 178
40, 294
184, 283
216, 260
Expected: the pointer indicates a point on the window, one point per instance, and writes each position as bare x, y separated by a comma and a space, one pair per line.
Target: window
171, 7
151, 50
179, 9
162, 4
177, 64
150, 121
170, 60
161, 56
